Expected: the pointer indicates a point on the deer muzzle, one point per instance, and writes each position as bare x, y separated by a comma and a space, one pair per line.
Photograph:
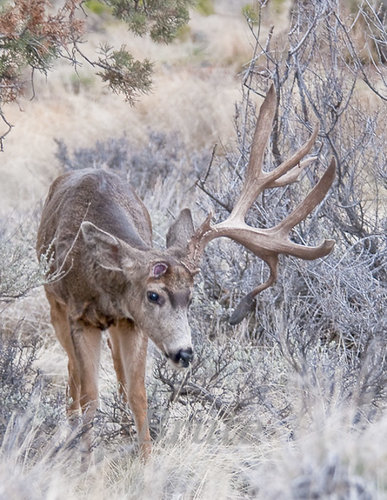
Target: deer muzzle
182, 358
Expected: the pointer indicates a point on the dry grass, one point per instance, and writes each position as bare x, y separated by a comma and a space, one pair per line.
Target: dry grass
324, 456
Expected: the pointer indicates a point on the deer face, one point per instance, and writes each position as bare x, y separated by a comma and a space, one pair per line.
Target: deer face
166, 298
150, 287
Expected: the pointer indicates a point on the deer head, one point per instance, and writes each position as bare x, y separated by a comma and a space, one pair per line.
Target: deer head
154, 287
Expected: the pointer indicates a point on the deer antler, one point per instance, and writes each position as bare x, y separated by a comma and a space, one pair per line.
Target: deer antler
266, 243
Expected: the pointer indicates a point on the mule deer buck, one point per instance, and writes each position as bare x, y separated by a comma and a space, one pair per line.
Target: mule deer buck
99, 232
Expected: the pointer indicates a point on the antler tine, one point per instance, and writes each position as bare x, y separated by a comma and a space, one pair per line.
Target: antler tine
293, 174
311, 201
253, 184
197, 243
247, 304
278, 175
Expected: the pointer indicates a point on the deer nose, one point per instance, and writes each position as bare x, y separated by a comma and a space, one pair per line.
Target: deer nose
183, 357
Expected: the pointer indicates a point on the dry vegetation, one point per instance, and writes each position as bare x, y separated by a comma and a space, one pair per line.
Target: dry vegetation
292, 402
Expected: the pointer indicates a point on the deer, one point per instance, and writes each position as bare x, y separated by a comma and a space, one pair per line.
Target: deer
98, 233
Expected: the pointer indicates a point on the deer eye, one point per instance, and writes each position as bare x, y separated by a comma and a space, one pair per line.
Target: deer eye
153, 297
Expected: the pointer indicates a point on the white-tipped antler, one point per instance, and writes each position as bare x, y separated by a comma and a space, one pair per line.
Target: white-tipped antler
266, 243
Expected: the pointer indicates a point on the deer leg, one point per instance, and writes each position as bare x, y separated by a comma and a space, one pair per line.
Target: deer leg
60, 321
87, 346
114, 345
129, 348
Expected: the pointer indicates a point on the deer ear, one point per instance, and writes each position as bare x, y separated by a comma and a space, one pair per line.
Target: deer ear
105, 248
181, 231
159, 269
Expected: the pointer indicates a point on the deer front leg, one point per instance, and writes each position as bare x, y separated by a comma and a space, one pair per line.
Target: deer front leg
60, 321
129, 348
87, 346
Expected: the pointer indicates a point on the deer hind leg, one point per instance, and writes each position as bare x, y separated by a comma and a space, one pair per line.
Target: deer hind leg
61, 324
129, 347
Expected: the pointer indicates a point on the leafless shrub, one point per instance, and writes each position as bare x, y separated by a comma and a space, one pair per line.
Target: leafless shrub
20, 271
23, 389
164, 156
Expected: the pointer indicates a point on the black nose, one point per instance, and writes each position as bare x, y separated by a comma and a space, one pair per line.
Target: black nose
183, 357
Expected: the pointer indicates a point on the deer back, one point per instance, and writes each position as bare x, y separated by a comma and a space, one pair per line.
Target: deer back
103, 199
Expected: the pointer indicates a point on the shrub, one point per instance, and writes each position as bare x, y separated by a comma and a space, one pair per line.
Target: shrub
20, 271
